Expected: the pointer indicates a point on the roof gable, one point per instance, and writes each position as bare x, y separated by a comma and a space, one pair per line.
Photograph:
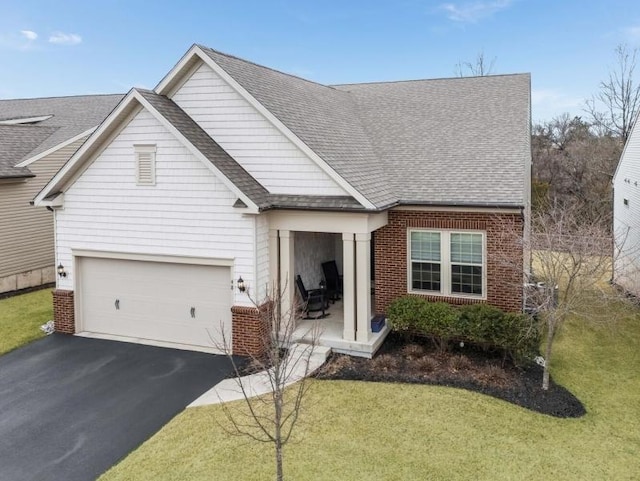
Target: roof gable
182, 126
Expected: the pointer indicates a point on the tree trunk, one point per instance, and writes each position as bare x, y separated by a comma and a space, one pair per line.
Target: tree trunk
278, 432
279, 473
547, 355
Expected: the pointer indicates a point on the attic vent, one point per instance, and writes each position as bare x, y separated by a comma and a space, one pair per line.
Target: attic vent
145, 164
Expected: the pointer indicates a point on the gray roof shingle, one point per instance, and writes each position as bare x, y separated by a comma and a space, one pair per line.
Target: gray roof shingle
456, 141
15, 142
70, 116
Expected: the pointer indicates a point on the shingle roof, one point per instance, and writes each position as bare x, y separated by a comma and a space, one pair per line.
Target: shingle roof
457, 141
70, 116
15, 142
451, 141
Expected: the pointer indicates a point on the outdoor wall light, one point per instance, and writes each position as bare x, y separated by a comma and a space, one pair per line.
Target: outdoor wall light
61, 271
240, 284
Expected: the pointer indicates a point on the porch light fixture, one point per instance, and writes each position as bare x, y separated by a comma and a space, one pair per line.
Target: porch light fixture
61, 271
240, 284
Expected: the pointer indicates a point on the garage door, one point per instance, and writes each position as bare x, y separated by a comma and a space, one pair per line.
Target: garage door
160, 301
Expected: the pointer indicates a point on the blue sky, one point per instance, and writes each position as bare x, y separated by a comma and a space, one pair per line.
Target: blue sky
58, 47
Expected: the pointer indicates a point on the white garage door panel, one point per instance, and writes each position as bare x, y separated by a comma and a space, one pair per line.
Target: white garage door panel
155, 300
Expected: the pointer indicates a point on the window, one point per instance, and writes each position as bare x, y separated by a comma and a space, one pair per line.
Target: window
145, 164
447, 263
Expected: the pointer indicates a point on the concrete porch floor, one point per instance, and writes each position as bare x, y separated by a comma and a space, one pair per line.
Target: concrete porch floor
331, 330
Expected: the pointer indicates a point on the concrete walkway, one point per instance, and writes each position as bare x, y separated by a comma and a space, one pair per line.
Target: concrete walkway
258, 384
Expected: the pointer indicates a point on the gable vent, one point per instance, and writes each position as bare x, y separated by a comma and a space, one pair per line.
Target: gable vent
145, 164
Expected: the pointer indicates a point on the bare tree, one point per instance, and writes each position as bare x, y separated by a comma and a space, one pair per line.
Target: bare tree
282, 366
480, 68
615, 107
571, 269
573, 161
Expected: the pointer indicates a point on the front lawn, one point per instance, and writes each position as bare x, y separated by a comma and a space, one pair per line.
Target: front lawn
377, 431
21, 317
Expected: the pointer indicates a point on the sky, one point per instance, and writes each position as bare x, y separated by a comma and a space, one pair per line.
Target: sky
64, 47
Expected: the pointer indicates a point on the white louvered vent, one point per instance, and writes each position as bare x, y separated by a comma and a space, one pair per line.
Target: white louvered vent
145, 164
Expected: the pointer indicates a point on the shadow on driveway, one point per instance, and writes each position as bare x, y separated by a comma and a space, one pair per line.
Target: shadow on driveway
71, 407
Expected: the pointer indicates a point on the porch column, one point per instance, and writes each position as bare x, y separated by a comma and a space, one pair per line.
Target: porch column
287, 281
348, 287
274, 262
363, 287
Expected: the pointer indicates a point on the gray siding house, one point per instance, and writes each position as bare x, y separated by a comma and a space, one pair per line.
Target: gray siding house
37, 136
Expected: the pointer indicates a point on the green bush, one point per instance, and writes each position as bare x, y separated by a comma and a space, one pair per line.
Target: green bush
516, 335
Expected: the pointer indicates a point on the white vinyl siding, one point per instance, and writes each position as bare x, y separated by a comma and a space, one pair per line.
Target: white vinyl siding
26, 232
626, 210
189, 212
253, 141
447, 263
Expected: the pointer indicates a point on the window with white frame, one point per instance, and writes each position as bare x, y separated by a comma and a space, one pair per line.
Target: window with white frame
447, 263
145, 164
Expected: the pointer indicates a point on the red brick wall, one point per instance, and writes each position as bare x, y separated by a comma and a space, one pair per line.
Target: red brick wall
250, 330
504, 257
63, 311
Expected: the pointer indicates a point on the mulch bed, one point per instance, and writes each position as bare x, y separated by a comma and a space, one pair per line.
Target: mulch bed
417, 362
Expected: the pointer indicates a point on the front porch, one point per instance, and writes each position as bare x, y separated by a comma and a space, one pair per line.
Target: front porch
299, 243
331, 334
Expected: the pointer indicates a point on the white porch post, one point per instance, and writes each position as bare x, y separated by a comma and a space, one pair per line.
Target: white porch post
363, 286
274, 262
348, 287
287, 281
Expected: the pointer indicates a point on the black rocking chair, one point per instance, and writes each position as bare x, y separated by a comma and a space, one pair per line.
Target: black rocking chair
334, 280
314, 300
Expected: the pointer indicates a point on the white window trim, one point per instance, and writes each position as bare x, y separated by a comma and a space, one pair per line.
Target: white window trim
445, 264
146, 149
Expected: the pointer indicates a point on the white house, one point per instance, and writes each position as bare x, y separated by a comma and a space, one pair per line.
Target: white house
229, 170
626, 215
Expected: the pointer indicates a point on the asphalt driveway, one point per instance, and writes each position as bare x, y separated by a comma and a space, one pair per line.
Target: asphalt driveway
71, 407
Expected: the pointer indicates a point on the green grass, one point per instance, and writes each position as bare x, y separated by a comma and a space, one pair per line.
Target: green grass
368, 431
21, 317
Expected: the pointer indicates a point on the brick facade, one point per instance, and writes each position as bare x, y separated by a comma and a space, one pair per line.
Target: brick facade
504, 257
64, 311
250, 330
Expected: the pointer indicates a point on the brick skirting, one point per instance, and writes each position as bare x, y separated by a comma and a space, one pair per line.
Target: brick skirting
504, 257
64, 311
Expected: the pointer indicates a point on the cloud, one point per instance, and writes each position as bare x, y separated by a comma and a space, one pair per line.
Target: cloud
472, 12
29, 34
61, 38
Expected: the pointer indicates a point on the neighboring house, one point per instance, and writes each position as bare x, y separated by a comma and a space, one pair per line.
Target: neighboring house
228, 170
626, 215
37, 136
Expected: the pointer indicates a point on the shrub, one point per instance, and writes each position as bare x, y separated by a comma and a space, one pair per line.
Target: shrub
516, 335
385, 362
478, 322
404, 313
426, 364
413, 351
459, 363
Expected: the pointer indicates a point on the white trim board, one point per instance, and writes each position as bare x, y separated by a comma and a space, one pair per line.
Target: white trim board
170, 259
